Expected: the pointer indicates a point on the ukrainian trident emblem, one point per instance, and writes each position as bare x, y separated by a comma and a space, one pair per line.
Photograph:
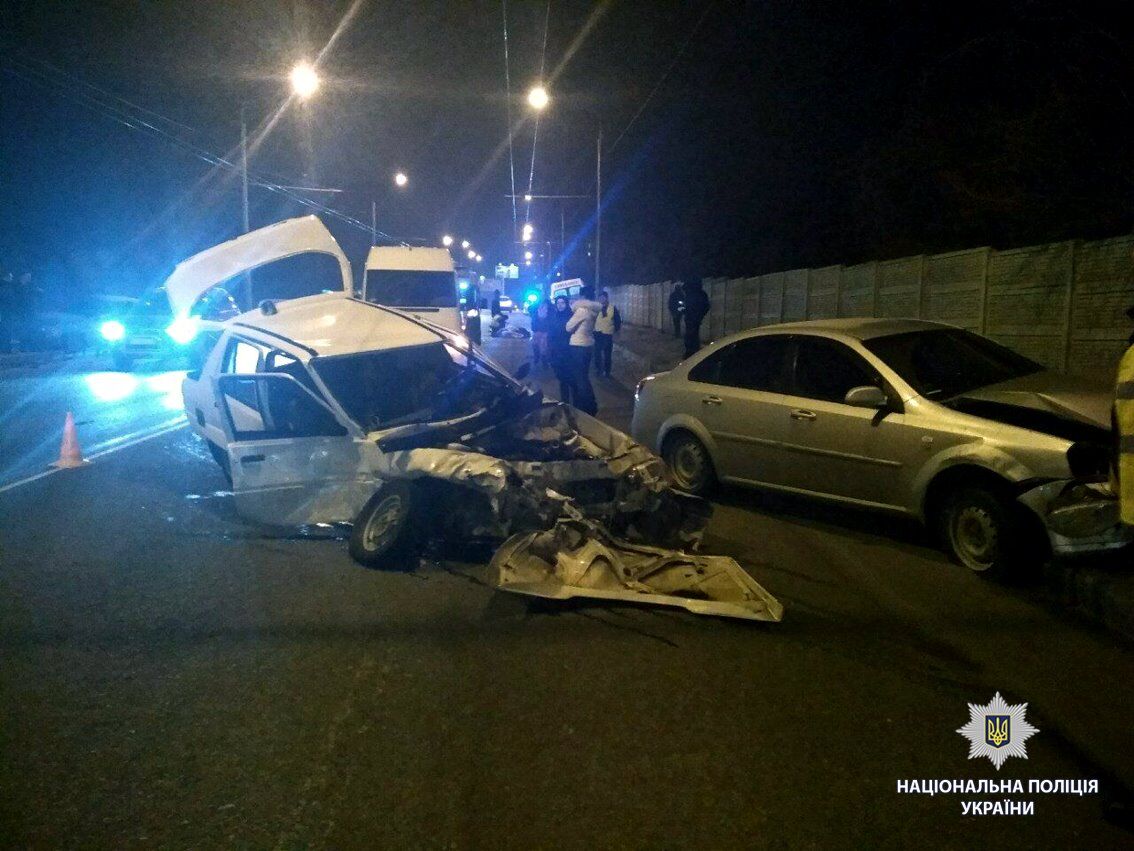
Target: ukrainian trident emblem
997, 730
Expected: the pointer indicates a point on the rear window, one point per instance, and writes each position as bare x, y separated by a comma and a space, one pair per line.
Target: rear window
411, 288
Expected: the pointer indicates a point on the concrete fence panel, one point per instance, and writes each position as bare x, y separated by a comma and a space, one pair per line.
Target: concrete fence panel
771, 298
1029, 292
823, 293
856, 293
795, 295
1103, 289
899, 288
953, 288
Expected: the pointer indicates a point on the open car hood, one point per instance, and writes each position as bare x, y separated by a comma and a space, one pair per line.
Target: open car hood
1052, 397
194, 277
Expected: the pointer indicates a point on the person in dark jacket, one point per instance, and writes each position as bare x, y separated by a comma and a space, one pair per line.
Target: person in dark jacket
696, 308
559, 349
676, 306
541, 321
607, 324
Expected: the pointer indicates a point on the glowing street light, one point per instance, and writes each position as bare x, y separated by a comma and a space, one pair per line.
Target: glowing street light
304, 80
528, 232
446, 240
528, 198
479, 259
401, 179
527, 255
472, 254
464, 244
537, 97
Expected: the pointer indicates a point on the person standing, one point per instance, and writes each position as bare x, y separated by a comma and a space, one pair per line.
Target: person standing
581, 326
559, 348
607, 324
1124, 432
495, 309
541, 319
676, 307
696, 308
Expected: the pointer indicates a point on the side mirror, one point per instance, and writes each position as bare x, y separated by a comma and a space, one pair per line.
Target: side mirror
867, 396
522, 371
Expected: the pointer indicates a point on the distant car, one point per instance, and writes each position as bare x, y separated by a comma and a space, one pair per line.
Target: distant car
506, 303
911, 417
148, 329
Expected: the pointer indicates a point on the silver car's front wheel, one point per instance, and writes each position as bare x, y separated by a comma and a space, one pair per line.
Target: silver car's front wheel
983, 531
689, 462
384, 533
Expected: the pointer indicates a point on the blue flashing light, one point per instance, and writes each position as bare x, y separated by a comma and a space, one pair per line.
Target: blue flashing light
112, 330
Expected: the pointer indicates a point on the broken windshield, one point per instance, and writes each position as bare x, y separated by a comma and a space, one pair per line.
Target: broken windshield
416, 384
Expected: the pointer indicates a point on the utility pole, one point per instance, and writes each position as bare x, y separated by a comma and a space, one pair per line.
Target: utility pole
598, 213
373, 222
244, 197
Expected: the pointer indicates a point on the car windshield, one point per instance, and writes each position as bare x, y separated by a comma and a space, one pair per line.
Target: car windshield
417, 384
411, 288
947, 362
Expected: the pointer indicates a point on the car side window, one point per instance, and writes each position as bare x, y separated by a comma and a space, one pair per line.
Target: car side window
280, 407
826, 370
756, 363
241, 356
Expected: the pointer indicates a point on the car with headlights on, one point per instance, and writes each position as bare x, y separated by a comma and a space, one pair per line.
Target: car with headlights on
910, 417
148, 328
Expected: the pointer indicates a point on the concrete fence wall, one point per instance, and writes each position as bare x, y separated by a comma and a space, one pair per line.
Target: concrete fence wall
1062, 304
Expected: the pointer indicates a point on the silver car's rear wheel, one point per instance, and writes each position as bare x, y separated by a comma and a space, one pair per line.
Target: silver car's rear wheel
689, 462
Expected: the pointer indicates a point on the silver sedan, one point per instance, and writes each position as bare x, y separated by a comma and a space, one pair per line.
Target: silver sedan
909, 417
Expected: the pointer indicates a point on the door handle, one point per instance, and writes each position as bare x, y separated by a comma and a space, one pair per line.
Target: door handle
801, 414
711, 400
251, 459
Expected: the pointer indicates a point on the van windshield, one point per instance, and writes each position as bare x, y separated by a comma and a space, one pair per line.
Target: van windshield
411, 288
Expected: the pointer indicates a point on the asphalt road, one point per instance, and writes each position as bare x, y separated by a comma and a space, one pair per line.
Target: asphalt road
174, 677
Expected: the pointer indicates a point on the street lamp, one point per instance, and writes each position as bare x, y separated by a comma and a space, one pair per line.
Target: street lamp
528, 198
304, 80
537, 97
446, 240
472, 254
527, 255
464, 244
400, 178
479, 259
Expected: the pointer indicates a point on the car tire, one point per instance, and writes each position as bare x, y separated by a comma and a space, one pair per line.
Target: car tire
982, 529
385, 531
221, 457
122, 362
689, 463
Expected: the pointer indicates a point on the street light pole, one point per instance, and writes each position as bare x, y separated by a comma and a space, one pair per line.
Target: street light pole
598, 212
373, 222
244, 165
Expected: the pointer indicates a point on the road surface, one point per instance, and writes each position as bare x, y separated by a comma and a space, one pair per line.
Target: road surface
174, 677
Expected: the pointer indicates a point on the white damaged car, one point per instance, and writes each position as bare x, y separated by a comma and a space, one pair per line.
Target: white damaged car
323, 408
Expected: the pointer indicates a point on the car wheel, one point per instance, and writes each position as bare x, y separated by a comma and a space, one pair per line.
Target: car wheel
384, 533
689, 462
221, 457
122, 362
985, 531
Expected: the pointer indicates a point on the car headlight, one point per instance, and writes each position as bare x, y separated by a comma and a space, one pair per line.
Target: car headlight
112, 330
182, 330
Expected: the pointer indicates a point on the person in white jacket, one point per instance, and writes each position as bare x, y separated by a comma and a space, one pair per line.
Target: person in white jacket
581, 326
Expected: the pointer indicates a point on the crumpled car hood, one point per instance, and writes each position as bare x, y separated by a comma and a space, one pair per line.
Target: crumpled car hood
1052, 396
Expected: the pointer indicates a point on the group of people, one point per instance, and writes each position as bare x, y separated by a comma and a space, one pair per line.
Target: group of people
688, 303
568, 337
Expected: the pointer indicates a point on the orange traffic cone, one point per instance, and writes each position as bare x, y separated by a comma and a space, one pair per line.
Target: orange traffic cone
70, 454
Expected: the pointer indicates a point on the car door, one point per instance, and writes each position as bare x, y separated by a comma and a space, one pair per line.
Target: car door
737, 395
293, 461
837, 449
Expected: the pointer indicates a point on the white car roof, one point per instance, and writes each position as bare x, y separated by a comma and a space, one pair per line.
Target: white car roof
331, 324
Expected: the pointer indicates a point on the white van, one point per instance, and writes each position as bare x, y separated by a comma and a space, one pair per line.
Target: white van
420, 281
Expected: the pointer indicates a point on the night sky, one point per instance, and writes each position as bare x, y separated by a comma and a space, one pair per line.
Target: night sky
739, 138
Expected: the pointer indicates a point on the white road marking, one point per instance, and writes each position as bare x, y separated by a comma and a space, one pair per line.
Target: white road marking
109, 446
